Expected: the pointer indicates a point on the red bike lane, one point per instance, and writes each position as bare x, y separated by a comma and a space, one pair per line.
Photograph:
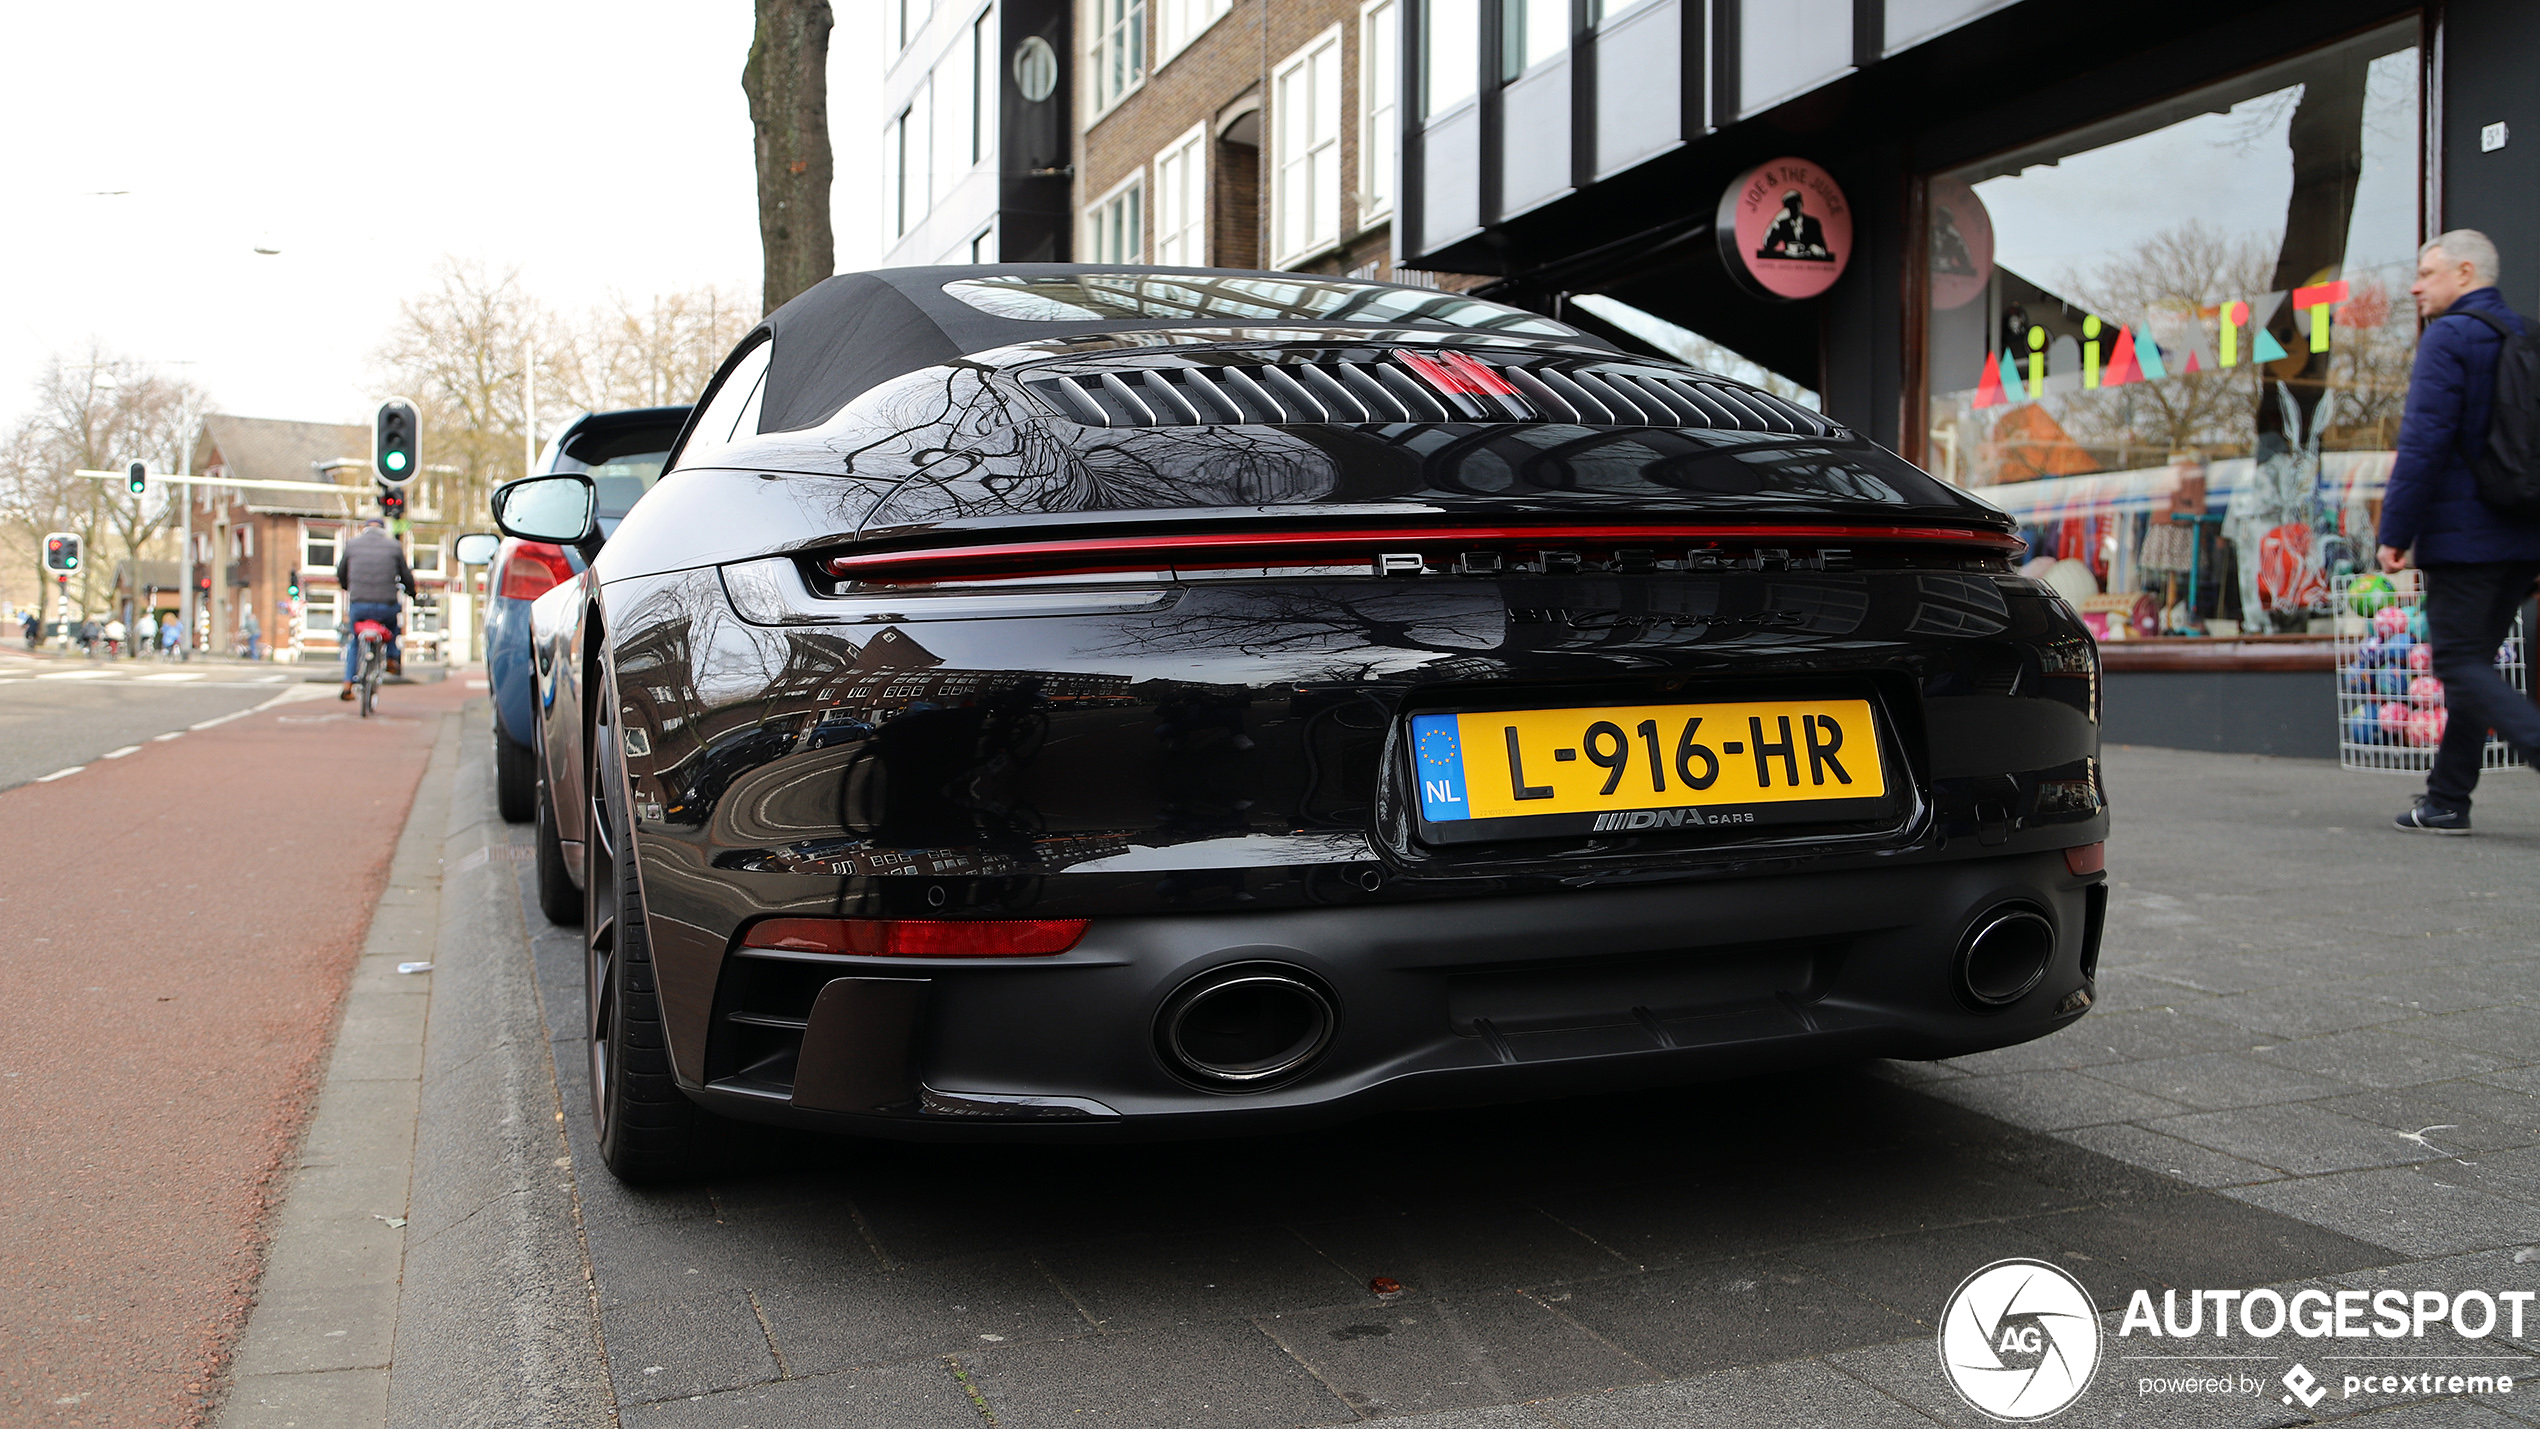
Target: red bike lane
176, 932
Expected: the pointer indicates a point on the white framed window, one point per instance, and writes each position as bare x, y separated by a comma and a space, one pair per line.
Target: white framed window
1119, 50
426, 559
983, 86
912, 16
949, 157
1178, 22
1450, 54
902, 203
317, 614
1305, 118
912, 189
1181, 201
1531, 32
1379, 115
983, 245
317, 548
1115, 229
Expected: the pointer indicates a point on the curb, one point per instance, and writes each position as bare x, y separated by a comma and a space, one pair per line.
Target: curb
426, 1267
316, 1345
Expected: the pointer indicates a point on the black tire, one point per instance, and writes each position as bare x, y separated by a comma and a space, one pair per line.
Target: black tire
647, 1130
557, 897
515, 781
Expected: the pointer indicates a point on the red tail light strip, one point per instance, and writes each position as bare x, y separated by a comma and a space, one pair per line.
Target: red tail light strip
1152, 552
919, 937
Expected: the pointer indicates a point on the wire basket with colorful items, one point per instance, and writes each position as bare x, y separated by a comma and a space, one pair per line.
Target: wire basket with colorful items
2390, 712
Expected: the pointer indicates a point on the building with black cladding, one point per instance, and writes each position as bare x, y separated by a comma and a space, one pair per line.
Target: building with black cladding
2137, 273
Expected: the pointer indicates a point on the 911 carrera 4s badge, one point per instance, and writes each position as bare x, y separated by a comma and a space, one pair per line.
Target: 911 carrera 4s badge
1607, 768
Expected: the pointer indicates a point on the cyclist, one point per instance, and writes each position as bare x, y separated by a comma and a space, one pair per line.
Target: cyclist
372, 570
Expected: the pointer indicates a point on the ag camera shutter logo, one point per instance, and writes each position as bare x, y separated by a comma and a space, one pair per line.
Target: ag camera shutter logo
2019, 1340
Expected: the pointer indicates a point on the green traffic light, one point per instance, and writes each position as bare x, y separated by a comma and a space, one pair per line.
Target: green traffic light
396, 461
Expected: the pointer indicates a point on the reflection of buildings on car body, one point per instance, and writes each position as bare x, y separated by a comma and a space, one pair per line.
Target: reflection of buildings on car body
2139, 275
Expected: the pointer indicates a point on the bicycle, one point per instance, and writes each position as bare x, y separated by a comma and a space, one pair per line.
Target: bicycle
374, 638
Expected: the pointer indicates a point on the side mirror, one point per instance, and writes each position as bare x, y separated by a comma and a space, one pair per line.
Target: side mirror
476, 548
555, 509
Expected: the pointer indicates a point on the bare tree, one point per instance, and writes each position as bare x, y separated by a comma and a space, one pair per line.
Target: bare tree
653, 352
787, 81
460, 352
94, 415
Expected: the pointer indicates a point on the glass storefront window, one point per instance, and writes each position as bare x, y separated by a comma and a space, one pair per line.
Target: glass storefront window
2175, 344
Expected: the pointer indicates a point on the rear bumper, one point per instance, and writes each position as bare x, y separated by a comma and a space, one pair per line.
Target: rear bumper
1479, 1001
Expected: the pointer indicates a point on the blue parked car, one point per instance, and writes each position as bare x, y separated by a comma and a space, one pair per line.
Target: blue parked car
622, 452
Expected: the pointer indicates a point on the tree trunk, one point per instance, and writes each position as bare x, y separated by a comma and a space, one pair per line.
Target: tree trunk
787, 80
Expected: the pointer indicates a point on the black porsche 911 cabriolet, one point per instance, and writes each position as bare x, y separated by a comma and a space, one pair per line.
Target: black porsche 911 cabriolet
1067, 701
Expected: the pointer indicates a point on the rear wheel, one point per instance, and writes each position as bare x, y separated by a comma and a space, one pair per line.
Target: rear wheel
646, 1129
515, 780
557, 897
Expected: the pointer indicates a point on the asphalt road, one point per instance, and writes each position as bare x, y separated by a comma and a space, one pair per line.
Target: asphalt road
59, 714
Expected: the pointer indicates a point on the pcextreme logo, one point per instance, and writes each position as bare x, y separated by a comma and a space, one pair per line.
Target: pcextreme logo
2019, 1340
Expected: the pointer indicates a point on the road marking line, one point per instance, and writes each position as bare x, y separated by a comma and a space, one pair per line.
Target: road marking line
120, 753
61, 774
178, 675
73, 674
269, 679
222, 719
164, 738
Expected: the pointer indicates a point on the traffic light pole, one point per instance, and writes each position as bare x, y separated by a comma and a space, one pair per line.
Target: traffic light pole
184, 568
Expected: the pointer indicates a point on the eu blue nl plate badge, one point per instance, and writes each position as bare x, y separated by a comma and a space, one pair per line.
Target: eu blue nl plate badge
1438, 753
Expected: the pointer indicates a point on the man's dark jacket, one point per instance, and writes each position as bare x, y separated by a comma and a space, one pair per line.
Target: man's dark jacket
373, 568
2432, 501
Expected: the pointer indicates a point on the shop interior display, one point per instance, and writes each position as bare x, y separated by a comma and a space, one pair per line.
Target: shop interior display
2175, 344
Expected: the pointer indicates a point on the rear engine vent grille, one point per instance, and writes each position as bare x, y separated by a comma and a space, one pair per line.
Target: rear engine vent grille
1450, 385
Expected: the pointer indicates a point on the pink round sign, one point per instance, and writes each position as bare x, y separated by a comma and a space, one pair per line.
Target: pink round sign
1786, 230
1961, 240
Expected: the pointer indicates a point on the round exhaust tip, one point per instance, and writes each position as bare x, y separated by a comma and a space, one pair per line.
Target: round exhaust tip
2005, 955
1244, 1027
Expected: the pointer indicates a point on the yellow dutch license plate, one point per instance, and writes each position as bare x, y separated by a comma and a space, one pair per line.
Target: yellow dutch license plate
1609, 768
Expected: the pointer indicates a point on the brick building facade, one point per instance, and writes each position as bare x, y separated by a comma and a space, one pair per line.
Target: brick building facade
252, 546
1237, 133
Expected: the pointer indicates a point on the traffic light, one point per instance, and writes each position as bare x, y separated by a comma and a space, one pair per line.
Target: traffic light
396, 441
392, 503
136, 478
291, 586
61, 553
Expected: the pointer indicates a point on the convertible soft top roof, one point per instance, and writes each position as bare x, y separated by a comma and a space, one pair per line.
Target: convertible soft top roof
855, 331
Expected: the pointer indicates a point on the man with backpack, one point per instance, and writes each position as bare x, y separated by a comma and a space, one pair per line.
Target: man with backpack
2464, 504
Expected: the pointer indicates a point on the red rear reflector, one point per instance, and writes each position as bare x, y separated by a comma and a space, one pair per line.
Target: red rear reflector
2089, 858
919, 937
534, 569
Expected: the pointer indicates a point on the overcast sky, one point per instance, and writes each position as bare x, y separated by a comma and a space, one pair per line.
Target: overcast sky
596, 147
